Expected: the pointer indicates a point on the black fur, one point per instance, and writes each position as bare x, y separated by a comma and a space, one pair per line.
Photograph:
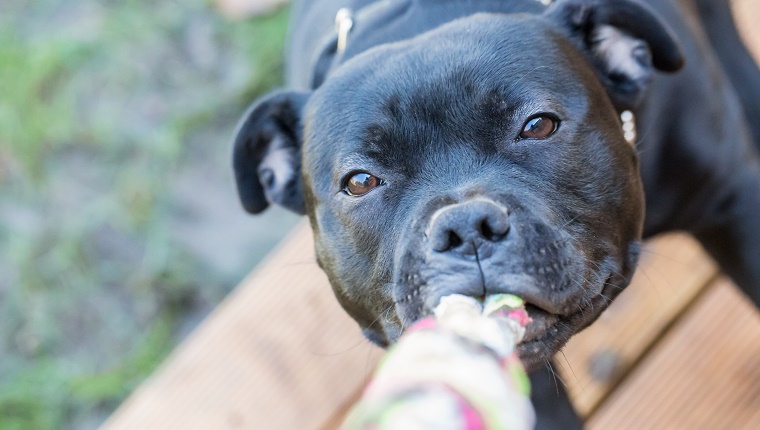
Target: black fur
431, 97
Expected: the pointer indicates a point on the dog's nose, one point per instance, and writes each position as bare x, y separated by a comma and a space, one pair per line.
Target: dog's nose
467, 223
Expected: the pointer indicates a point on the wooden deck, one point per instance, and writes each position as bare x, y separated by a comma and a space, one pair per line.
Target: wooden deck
680, 349
681, 345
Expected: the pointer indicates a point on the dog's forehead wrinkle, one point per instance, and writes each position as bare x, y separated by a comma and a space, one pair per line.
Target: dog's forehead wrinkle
429, 113
431, 122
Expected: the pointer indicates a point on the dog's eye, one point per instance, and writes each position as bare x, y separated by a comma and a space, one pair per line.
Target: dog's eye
539, 127
361, 183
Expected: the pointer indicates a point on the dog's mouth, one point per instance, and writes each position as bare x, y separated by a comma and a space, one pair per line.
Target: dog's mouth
542, 325
547, 333
542, 337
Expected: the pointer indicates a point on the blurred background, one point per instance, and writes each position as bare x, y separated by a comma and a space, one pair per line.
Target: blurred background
119, 225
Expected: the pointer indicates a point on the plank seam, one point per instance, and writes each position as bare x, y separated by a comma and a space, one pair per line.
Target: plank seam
623, 377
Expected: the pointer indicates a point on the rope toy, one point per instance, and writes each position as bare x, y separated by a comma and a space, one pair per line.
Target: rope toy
455, 370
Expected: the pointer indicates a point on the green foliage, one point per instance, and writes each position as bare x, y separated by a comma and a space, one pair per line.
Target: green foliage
104, 107
45, 395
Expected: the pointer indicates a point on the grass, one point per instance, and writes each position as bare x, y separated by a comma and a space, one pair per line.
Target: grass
104, 108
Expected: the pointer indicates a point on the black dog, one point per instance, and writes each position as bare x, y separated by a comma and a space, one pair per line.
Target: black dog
444, 146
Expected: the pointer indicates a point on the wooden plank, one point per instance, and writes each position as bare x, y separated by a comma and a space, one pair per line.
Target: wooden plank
672, 272
279, 353
746, 13
705, 374
340, 414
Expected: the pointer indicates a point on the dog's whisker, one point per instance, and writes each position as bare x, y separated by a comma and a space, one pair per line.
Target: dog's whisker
607, 299
381, 314
555, 376
649, 250
551, 371
611, 285
573, 219
577, 380
650, 282
272, 267
590, 304
587, 260
562, 367
361, 341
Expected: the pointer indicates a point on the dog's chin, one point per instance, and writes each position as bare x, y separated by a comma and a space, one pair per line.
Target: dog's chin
544, 336
548, 333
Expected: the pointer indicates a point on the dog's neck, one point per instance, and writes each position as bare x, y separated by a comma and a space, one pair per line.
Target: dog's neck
387, 21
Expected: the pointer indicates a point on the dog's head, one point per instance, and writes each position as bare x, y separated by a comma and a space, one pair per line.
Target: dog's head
483, 157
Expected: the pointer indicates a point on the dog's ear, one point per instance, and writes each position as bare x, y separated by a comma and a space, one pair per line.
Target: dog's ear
624, 39
266, 155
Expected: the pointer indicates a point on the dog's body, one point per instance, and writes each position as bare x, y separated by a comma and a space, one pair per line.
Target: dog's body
474, 147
